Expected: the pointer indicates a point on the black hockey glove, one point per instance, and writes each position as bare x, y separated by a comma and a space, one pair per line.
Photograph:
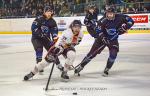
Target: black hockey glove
122, 29
56, 51
53, 52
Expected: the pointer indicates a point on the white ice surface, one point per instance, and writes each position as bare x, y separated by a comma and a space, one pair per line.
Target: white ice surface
130, 75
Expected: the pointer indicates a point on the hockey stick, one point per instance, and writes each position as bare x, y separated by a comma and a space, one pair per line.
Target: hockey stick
50, 75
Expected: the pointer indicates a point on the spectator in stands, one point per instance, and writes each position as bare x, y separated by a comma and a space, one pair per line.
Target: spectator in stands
140, 8
57, 8
65, 11
1, 3
145, 10
32, 8
39, 12
72, 8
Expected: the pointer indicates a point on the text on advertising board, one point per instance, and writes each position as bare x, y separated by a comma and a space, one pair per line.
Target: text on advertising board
140, 18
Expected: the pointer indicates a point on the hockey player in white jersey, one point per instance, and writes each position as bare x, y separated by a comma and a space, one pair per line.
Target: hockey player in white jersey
65, 46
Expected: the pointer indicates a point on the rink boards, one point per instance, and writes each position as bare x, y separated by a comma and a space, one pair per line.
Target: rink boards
23, 25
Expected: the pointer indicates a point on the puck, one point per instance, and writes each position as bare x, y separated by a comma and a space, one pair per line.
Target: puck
74, 93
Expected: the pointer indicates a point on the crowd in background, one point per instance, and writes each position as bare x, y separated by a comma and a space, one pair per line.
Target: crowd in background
130, 6
32, 8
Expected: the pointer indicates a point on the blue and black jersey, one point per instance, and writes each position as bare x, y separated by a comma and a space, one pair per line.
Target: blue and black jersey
110, 27
42, 25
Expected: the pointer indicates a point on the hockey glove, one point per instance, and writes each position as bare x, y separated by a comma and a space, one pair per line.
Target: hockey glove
56, 51
122, 29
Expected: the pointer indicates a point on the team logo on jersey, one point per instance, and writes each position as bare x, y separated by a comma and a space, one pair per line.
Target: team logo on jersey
44, 29
111, 31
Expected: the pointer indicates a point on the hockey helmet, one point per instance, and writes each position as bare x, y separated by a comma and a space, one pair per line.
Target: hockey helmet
76, 23
110, 9
110, 13
48, 8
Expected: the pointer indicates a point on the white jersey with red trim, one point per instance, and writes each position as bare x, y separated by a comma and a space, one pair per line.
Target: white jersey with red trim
69, 39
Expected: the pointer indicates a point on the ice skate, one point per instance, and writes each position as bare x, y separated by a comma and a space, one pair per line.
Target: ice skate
105, 73
78, 69
28, 76
60, 67
64, 76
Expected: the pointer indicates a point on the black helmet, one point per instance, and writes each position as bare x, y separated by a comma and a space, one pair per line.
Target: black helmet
110, 9
76, 23
48, 8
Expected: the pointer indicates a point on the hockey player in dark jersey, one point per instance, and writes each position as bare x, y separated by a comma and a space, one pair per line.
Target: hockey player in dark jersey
44, 33
90, 20
111, 27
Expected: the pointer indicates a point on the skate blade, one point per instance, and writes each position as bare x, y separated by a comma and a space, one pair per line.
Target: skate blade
104, 75
64, 80
28, 79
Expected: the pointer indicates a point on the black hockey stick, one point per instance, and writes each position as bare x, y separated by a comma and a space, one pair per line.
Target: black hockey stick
50, 75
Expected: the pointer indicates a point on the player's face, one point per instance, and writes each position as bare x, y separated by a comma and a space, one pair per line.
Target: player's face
48, 14
91, 10
110, 15
76, 29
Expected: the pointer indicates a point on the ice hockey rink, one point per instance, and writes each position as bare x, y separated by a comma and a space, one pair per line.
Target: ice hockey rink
130, 75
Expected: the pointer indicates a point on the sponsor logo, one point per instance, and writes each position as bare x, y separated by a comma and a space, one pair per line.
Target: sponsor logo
140, 18
61, 22
61, 25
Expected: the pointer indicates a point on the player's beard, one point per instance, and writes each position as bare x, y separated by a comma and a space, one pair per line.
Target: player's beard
48, 15
75, 32
110, 16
